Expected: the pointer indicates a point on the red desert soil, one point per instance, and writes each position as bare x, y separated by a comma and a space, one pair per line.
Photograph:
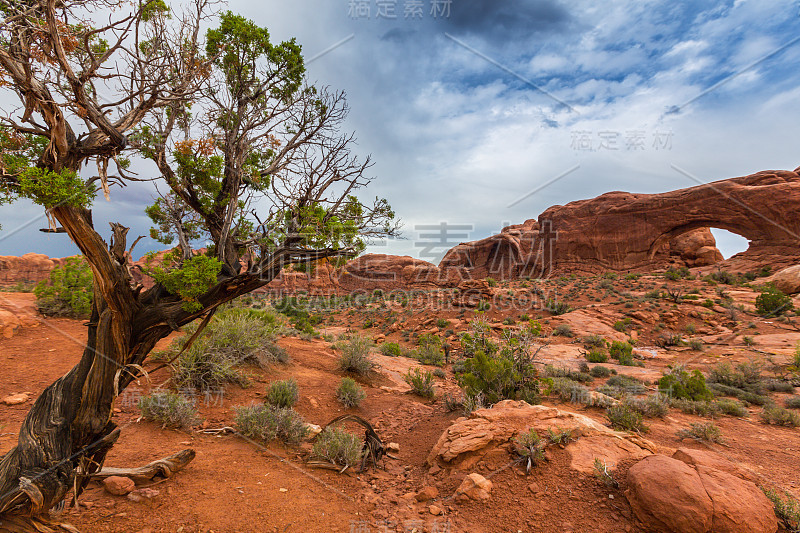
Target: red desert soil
238, 486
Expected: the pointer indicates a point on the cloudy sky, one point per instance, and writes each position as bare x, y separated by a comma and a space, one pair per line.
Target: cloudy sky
481, 113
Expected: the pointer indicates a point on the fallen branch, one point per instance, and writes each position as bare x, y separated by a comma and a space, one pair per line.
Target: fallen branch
162, 468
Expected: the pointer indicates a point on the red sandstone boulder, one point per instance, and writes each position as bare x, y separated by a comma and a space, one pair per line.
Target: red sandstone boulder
668, 495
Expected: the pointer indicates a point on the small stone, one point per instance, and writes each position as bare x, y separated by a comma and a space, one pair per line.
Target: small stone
313, 430
283, 490
435, 510
118, 485
393, 447
427, 493
435, 469
15, 399
474, 487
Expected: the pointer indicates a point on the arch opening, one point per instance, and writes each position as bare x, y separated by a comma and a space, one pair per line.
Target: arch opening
729, 243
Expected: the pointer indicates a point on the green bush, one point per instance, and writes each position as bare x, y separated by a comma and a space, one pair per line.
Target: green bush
297, 311
265, 422
338, 446
745, 376
776, 415
621, 351
731, 407
68, 292
234, 337
355, 355
391, 349
350, 393
530, 448
793, 403
169, 409
594, 341
556, 307
552, 371
787, 509
623, 325
623, 416
283, 393
508, 375
568, 390
702, 431
600, 372
653, 406
696, 344
421, 382
772, 302
679, 383
429, 354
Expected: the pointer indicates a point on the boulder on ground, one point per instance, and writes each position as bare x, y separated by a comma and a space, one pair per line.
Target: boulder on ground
474, 487
669, 495
787, 280
118, 485
15, 399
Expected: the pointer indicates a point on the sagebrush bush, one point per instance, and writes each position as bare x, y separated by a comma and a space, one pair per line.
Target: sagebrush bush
234, 337
169, 409
731, 407
652, 406
529, 447
265, 422
787, 509
68, 291
569, 390
702, 431
622, 352
596, 355
563, 330
778, 416
624, 417
594, 341
793, 403
283, 393
338, 446
421, 382
429, 354
356, 355
350, 393
600, 371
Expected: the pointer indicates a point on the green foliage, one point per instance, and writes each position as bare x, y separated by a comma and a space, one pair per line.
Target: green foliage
731, 407
336, 445
169, 409
355, 355
154, 8
600, 371
679, 383
478, 339
556, 307
778, 416
283, 393
594, 341
391, 349
429, 354
621, 351
421, 382
264, 423
350, 393
189, 280
568, 390
793, 403
559, 436
491, 282
622, 416
68, 292
745, 376
509, 374
51, 189
772, 302
297, 311
702, 431
623, 325
787, 509
652, 406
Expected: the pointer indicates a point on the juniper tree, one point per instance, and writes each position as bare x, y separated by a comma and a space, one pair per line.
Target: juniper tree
245, 153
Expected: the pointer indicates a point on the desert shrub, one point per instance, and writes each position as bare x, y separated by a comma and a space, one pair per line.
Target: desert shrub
652, 406
623, 416
787, 509
507, 375
621, 350
623, 325
283, 393
692, 407
731, 407
772, 302
568, 390
669, 338
478, 339
552, 371
421, 382
296, 310
483, 305
350, 393
602, 472
442, 323
429, 354
596, 355
679, 383
793, 403
725, 277
740, 394
559, 436
563, 330
745, 376
355, 355
778, 416
600, 372
169, 409
338, 446
530, 448
626, 384
557, 308
265, 422
775, 385
452, 403
68, 292
235, 336
391, 349
696, 345
702, 431
594, 341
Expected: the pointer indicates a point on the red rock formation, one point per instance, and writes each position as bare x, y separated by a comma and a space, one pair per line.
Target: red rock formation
626, 231
388, 272
29, 268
